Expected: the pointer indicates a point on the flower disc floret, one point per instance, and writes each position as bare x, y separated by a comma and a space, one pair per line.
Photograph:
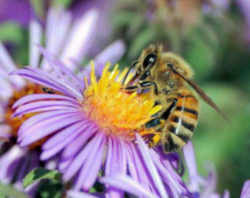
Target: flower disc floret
113, 109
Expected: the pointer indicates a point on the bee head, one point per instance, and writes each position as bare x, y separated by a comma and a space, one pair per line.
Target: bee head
147, 60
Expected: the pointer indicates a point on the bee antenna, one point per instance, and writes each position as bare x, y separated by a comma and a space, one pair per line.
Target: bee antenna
202, 94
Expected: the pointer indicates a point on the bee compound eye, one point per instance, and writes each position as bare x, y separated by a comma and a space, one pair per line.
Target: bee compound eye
149, 60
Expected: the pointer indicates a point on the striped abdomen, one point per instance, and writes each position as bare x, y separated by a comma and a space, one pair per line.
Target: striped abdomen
181, 122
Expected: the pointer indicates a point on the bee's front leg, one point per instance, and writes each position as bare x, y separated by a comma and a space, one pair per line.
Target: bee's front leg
142, 86
132, 88
148, 84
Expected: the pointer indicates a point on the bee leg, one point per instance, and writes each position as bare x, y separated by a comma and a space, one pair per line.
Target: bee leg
167, 112
153, 140
131, 88
126, 75
153, 123
170, 142
148, 84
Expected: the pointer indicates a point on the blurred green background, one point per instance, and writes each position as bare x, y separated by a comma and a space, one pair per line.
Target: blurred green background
215, 40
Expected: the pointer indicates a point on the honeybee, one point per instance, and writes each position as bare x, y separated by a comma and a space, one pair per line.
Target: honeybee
168, 77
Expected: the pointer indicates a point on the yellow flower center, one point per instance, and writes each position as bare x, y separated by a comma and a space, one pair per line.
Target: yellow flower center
114, 110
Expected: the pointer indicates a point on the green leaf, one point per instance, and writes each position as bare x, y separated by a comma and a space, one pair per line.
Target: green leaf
64, 3
50, 188
10, 191
10, 32
38, 6
40, 174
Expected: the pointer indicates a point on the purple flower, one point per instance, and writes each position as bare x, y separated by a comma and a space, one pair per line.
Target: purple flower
93, 127
62, 33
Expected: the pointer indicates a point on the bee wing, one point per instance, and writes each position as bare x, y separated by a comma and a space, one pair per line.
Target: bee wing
202, 94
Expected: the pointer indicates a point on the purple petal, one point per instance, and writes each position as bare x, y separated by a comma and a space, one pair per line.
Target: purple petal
150, 166
34, 160
6, 90
47, 127
81, 34
127, 184
78, 194
226, 194
9, 162
83, 156
3, 73
56, 34
48, 153
37, 97
64, 134
111, 54
39, 118
64, 164
245, 193
77, 144
115, 164
140, 168
22, 169
91, 167
6, 60
169, 175
5, 133
48, 80
189, 156
61, 69
131, 165
35, 38
10, 66
211, 181
41, 106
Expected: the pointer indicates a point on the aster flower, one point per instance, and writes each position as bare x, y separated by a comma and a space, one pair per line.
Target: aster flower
15, 161
93, 129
